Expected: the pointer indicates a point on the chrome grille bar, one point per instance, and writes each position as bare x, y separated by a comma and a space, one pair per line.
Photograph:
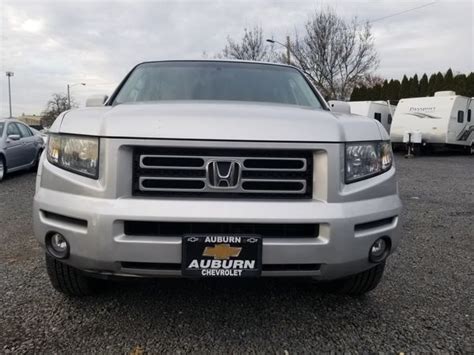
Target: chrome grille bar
205, 161
265, 173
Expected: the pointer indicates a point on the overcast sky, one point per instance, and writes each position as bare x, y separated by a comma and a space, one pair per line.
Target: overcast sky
48, 44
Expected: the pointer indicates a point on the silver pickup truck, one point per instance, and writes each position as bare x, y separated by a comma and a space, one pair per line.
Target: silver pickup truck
210, 169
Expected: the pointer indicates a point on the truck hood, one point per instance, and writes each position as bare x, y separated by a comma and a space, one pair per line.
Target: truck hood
218, 121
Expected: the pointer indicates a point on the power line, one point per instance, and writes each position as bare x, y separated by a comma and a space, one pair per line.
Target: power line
403, 12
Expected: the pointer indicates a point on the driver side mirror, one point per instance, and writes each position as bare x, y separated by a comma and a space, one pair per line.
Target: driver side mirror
14, 137
96, 100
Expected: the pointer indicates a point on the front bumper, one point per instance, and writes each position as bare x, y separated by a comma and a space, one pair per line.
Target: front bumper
100, 245
97, 210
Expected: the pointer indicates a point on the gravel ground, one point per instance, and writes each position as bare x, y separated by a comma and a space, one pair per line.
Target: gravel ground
424, 302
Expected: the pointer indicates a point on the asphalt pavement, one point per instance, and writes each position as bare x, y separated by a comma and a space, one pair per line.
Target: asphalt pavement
424, 303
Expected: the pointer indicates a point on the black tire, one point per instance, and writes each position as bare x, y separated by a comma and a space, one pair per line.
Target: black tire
69, 280
359, 284
3, 168
37, 160
417, 150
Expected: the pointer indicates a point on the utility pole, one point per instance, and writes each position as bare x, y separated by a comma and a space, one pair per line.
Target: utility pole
69, 93
9, 74
287, 46
288, 57
68, 98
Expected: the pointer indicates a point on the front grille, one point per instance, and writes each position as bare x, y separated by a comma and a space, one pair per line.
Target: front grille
222, 173
266, 230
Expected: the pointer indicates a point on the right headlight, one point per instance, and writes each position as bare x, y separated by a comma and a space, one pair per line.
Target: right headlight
367, 159
78, 154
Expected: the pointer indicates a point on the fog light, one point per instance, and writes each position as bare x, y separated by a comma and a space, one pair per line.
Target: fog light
57, 245
379, 250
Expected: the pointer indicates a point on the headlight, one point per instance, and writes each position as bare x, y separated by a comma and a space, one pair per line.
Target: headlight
74, 153
367, 159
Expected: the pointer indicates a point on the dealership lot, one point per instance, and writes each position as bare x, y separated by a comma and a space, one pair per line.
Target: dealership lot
424, 302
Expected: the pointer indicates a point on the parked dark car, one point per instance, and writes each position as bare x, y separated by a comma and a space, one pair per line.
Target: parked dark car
20, 148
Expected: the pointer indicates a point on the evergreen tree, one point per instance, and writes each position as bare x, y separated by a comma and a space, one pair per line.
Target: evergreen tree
432, 85
367, 94
362, 93
448, 83
414, 90
377, 93
412, 87
459, 84
384, 92
355, 95
470, 85
395, 90
404, 88
439, 82
424, 86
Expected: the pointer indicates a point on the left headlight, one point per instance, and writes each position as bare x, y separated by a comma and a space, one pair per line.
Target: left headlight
78, 154
367, 159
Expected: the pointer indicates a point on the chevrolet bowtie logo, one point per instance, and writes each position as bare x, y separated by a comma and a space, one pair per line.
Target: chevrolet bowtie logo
222, 251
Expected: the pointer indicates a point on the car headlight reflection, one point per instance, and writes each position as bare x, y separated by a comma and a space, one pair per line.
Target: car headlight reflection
78, 154
366, 159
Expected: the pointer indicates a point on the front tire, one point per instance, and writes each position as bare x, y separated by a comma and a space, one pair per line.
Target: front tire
69, 280
358, 284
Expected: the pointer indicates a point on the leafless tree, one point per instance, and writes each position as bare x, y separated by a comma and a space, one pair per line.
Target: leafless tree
57, 104
335, 53
252, 46
370, 81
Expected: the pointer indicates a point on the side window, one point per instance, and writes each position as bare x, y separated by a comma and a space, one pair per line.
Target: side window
25, 131
469, 112
460, 116
12, 129
378, 116
389, 119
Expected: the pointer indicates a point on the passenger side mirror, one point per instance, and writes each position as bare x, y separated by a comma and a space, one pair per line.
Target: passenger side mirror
339, 106
14, 137
96, 100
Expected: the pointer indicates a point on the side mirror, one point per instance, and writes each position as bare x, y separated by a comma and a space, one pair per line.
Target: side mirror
96, 100
339, 106
14, 137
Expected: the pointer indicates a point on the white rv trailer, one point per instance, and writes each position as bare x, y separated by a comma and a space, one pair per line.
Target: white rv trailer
442, 120
381, 111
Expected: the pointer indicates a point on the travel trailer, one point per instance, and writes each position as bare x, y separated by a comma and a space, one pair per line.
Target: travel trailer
441, 121
382, 111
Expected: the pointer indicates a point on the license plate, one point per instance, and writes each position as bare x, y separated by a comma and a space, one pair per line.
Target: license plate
221, 256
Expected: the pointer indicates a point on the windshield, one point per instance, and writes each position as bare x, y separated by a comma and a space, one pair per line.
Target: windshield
1, 128
217, 81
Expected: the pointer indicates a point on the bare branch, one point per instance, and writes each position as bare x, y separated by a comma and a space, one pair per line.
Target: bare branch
57, 104
252, 46
337, 54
